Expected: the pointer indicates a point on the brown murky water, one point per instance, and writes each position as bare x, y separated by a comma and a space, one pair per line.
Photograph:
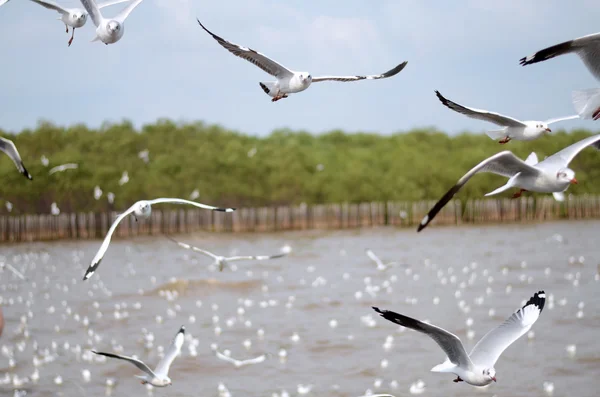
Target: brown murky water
323, 293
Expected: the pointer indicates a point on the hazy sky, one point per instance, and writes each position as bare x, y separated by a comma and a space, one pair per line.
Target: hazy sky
167, 66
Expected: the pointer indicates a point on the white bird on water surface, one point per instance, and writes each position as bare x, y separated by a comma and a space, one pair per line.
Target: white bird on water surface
73, 17
288, 81
477, 368
512, 128
8, 147
141, 209
221, 261
160, 376
110, 30
552, 175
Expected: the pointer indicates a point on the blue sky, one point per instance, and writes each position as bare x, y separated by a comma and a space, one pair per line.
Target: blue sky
166, 66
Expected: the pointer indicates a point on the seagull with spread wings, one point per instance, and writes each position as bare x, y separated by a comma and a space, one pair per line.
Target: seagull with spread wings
108, 30
380, 265
512, 128
160, 376
141, 209
288, 81
63, 167
477, 368
552, 175
8, 147
241, 363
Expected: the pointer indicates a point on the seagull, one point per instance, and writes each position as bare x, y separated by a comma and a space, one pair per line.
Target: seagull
288, 81
108, 31
380, 265
159, 377
241, 363
477, 368
73, 17
221, 261
551, 175
587, 103
63, 167
8, 147
513, 128
12, 269
143, 209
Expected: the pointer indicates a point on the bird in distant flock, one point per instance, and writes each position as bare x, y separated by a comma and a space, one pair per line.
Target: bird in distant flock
221, 261
160, 376
142, 209
513, 128
8, 147
552, 175
241, 363
477, 368
380, 265
73, 17
63, 167
108, 30
288, 81
586, 102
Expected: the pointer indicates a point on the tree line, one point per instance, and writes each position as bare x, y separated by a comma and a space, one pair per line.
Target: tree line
229, 168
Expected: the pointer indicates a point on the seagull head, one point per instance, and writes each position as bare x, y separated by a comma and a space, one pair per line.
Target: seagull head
143, 209
305, 78
79, 16
113, 27
490, 373
566, 175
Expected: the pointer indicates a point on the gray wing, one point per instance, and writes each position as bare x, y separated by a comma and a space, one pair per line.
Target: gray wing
162, 369
122, 16
389, 73
228, 359
93, 11
449, 342
504, 163
195, 204
487, 351
587, 47
556, 120
132, 360
254, 57
373, 257
479, 114
8, 147
51, 6
564, 157
111, 3
254, 257
191, 247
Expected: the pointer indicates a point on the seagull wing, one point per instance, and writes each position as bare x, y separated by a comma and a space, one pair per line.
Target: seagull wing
587, 47
385, 75
556, 120
564, 157
93, 11
490, 347
254, 360
227, 358
111, 3
255, 57
373, 257
195, 204
449, 342
191, 247
254, 257
122, 16
100, 254
8, 147
162, 369
479, 114
132, 360
52, 6
504, 163
15, 271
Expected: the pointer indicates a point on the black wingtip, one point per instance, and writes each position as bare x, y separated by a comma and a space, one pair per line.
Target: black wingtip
538, 299
264, 88
26, 173
182, 330
395, 70
523, 61
224, 209
377, 310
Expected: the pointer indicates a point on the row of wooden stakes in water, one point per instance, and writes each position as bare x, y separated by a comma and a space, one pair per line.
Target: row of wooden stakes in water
41, 227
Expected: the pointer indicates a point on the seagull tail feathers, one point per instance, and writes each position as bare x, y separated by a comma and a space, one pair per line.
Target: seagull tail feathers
446, 366
509, 184
496, 134
268, 88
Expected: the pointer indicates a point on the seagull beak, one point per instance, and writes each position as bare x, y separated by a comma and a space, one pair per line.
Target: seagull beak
547, 130
574, 181
494, 378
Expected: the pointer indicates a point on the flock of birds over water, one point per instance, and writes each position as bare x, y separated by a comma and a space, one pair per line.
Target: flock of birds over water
551, 175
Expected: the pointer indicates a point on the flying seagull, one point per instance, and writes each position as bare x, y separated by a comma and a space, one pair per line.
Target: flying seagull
160, 376
221, 261
8, 147
141, 209
63, 167
588, 49
512, 128
288, 81
477, 368
380, 265
552, 175
241, 363
111, 30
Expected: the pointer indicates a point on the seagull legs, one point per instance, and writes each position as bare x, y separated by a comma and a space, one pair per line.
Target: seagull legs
72, 36
278, 97
67, 27
458, 379
518, 194
504, 140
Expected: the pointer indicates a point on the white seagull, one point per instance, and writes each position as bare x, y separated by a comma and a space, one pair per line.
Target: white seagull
221, 261
380, 265
160, 376
512, 128
63, 167
141, 209
241, 363
12, 269
288, 81
111, 30
73, 17
588, 49
477, 368
8, 147
552, 175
